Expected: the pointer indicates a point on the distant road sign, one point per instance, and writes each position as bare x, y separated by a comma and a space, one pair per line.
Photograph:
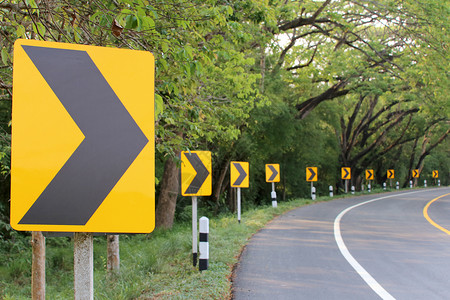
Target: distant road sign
311, 174
239, 171
415, 173
196, 179
346, 173
369, 175
272, 173
83, 139
390, 174
435, 174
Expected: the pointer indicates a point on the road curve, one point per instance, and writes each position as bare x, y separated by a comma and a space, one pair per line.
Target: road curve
310, 252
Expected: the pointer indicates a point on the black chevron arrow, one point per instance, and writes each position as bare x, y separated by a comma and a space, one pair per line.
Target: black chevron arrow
415, 174
200, 177
242, 174
274, 173
435, 174
313, 174
346, 173
112, 139
370, 174
391, 174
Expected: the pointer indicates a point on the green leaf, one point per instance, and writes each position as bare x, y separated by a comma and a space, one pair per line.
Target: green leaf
159, 105
5, 56
20, 31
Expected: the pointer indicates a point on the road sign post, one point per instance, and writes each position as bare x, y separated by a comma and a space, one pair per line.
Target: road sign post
272, 176
346, 176
195, 181
390, 176
83, 254
238, 191
311, 176
369, 178
194, 231
83, 144
239, 178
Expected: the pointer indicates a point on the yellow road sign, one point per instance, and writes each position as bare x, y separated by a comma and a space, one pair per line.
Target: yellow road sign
196, 170
415, 173
311, 174
83, 139
239, 174
272, 173
346, 173
435, 174
390, 174
369, 175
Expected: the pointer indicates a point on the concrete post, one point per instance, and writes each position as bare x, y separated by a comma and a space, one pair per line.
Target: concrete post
83, 254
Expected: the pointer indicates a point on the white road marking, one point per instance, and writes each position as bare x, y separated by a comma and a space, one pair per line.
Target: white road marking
373, 284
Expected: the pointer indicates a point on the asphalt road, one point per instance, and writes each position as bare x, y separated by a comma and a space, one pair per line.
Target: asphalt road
370, 247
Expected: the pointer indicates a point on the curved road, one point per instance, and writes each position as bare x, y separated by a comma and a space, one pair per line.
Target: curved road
388, 246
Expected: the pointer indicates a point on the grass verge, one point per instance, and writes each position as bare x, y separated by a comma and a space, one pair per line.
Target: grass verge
153, 266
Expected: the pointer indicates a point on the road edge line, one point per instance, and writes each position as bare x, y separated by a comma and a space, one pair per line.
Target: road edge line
373, 284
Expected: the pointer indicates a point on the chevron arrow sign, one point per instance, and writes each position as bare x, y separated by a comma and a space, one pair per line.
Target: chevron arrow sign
196, 179
435, 174
311, 174
346, 173
82, 142
239, 174
390, 174
272, 173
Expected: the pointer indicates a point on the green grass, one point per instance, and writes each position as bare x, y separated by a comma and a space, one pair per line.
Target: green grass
153, 266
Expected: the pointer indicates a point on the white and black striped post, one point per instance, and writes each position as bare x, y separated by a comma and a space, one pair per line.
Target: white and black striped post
384, 186
203, 244
313, 192
425, 183
439, 182
274, 195
369, 187
353, 189
331, 190
410, 184
397, 185
194, 230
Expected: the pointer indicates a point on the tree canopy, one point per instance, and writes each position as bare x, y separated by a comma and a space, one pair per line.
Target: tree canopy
362, 84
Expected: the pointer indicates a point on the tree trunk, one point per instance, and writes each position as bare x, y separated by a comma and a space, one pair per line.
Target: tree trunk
113, 260
38, 266
167, 201
218, 184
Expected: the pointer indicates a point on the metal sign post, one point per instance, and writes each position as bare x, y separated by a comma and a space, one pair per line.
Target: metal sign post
238, 191
194, 231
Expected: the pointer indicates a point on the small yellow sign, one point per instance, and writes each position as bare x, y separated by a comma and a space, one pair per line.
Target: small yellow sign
435, 174
390, 174
196, 173
272, 173
370, 175
311, 174
239, 174
346, 173
415, 173
82, 139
